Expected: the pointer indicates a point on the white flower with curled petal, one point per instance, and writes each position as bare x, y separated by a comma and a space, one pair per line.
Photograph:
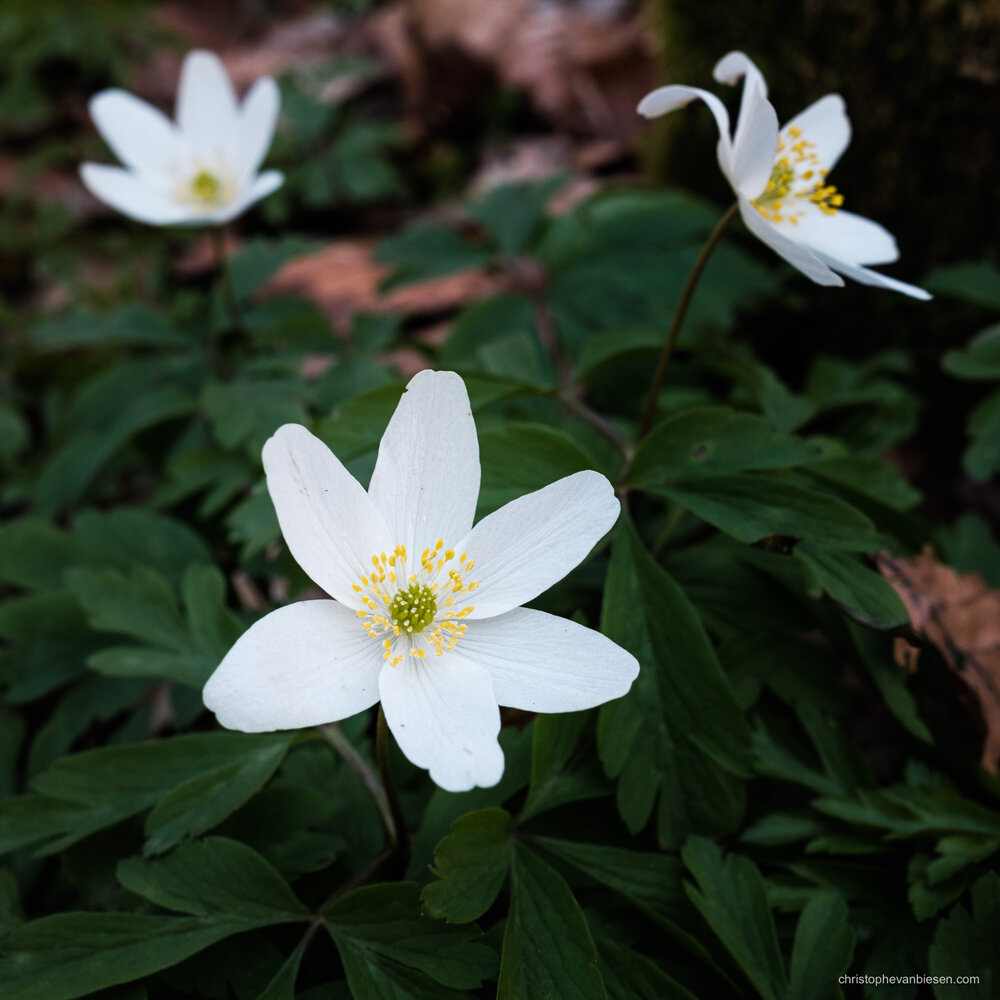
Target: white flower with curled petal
780, 179
426, 614
201, 169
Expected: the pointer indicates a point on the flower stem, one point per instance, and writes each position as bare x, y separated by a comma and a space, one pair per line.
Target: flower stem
225, 279
397, 834
334, 735
675, 327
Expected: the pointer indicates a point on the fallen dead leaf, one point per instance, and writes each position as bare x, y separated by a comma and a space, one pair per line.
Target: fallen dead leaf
960, 616
584, 66
343, 278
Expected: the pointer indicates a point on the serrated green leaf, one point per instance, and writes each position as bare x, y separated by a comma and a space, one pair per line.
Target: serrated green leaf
979, 359
731, 896
427, 250
97, 788
204, 801
864, 593
69, 955
548, 953
755, 505
982, 457
470, 865
523, 457
823, 948
513, 212
282, 986
483, 322
214, 876
258, 260
680, 721
245, 413
977, 282
629, 975
131, 324
386, 920
965, 945
714, 441
645, 877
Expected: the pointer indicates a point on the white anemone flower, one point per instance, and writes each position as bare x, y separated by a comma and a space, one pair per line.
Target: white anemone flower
426, 614
780, 179
201, 169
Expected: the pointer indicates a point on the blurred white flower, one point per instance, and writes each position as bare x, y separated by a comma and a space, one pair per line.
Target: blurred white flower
201, 169
780, 179
426, 613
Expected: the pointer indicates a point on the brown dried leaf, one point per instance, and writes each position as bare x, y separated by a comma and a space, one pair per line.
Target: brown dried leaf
584, 66
343, 279
960, 616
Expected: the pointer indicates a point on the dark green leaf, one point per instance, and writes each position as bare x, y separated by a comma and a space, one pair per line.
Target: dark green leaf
470, 865
713, 441
214, 876
629, 975
965, 945
71, 954
864, 593
548, 953
979, 359
385, 920
680, 719
755, 505
202, 802
731, 896
971, 281
823, 948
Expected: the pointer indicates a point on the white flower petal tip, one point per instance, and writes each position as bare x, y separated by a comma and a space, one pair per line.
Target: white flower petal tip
736, 65
201, 169
417, 594
781, 178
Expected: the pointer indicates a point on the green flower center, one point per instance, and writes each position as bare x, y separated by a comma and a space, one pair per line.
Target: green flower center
413, 609
206, 187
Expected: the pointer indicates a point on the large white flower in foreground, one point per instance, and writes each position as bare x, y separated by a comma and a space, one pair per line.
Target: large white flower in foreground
426, 612
780, 179
201, 169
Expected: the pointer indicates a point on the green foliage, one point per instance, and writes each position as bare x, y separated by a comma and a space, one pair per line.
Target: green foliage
774, 804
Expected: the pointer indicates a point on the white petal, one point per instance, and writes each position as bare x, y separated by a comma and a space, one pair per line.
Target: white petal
426, 478
534, 541
258, 117
541, 663
131, 196
825, 124
866, 277
302, 665
846, 236
755, 144
330, 525
796, 254
262, 185
206, 107
755, 139
665, 99
444, 716
141, 136
734, 66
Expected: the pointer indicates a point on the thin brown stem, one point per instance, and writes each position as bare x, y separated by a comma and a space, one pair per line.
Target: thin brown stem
334, 735
549, 337
678, 320
600, 424
397, 835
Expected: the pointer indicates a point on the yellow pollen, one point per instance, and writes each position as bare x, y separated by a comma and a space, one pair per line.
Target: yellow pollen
793, 176
414, 613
